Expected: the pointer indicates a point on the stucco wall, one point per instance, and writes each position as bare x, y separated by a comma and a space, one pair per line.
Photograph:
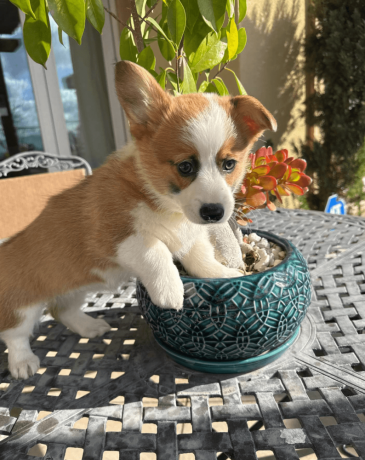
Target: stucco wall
271, 68
271, 65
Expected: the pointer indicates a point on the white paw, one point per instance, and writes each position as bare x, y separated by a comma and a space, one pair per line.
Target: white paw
231, 273
23, 365
170, 295
91, 327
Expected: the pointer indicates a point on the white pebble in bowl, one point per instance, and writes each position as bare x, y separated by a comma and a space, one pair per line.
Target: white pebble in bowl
254, 237
263, 243
262, 263
259, 254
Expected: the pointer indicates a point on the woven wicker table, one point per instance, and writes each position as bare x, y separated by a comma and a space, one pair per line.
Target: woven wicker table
121, 397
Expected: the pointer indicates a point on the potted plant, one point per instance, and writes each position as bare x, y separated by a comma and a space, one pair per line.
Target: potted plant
242, 324
197, 39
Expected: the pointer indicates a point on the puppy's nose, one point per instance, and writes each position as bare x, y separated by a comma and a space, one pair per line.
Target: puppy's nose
212, 212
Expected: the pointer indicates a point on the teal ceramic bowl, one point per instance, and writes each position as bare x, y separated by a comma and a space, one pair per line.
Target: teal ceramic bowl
234, 325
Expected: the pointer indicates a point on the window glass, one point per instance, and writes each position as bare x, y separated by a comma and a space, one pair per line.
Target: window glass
19, 125
66, 83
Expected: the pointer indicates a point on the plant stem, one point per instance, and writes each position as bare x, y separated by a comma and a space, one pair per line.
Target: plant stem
221, 70
149, 25
115, 17
177, 71
137, 34
150, 10
178, 56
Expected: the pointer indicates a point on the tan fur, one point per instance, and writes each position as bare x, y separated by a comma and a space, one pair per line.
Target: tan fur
78, 231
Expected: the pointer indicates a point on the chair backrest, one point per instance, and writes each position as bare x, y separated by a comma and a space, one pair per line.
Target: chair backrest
23, 198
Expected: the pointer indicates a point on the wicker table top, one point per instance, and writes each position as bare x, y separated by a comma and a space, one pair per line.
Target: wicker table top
121, 397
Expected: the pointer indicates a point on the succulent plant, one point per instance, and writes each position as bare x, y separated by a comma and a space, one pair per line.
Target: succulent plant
270, 174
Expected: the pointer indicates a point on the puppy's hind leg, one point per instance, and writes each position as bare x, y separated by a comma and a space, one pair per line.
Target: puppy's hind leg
66, 309
23, 363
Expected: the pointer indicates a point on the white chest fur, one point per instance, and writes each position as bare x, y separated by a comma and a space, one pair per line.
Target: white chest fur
172, 229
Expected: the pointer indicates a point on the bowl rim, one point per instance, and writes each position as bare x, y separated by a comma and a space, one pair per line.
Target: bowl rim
289, 248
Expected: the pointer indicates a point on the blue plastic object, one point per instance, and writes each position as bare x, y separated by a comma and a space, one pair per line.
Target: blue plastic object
225, 320
335, 205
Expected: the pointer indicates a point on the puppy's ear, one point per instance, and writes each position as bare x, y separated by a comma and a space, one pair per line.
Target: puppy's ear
251, 118
142, 98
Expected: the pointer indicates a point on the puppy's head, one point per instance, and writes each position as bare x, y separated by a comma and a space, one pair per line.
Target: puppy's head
193, 148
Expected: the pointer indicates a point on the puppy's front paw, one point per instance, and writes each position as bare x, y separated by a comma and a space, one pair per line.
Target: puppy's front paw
169, 295
23, 365
232, 273
90, 327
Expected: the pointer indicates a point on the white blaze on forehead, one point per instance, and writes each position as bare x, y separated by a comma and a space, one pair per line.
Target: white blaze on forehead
210, 129
207, 132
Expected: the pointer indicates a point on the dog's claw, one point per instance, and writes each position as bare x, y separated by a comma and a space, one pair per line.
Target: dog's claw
24, 366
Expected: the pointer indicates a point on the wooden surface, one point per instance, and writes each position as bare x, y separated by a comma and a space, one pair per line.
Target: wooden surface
22, 199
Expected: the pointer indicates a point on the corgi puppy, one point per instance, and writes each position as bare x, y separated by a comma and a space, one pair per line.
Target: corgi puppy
148, 205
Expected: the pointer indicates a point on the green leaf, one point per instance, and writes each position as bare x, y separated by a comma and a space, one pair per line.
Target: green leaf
164, 13
240, 87
192, 39
153, 73
221, 87
211, 89
161, 79
242, 8
230, 8
147, 59
209, 54
95, 14
127, 48
70, 16
158, 27
148, 41
176, 20
191, 43
232, 38
60, 36
172, 79
188, 85
203, 86
141, 7
37, 33
213, 12
25, 6
141, 10
242, 40
164, 43
192, 13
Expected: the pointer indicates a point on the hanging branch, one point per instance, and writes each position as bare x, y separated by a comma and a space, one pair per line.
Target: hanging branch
177, 72
178, 64
150, 10
148, 23
221, 70
116, 17
137, 34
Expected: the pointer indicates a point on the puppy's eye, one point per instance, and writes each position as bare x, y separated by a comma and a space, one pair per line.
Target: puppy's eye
229, 165
186, 168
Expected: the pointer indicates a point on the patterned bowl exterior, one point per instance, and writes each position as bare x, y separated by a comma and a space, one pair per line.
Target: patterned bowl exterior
236, 318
